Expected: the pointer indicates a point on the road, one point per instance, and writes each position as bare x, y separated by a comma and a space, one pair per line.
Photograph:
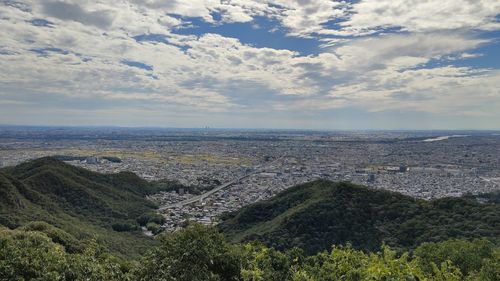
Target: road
197, 198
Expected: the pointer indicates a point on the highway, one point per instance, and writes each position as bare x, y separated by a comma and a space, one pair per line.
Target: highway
212, 191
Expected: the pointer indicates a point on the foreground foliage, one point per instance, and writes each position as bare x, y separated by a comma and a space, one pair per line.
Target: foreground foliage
28, 255
199, 253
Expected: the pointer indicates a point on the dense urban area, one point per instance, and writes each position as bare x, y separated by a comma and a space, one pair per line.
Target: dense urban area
233, 168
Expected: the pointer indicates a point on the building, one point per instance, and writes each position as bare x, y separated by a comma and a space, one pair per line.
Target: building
92, 160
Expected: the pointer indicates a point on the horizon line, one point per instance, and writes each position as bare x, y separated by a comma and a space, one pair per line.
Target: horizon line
243, 128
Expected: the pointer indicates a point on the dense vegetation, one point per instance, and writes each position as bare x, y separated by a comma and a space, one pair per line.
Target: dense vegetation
172, 185
319, 214
198, 253
82, 203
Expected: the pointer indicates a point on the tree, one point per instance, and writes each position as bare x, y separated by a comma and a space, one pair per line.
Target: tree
195, 253
30, 255
468, 256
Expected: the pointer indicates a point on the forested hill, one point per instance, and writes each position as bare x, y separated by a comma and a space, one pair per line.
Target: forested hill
81, 202
319, 214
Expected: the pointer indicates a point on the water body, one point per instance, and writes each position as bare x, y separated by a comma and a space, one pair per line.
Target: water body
444, 138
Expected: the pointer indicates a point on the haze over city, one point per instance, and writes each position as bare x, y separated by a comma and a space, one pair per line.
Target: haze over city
301, 64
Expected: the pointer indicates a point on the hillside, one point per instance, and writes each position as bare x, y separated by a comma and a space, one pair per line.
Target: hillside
319, 214
83, 203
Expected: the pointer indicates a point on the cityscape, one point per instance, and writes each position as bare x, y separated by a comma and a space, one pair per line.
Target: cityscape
234, 168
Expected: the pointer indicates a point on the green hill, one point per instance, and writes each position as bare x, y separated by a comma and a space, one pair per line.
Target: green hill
319, 214
83, 203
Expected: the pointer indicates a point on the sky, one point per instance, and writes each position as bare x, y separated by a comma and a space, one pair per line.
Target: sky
295, 64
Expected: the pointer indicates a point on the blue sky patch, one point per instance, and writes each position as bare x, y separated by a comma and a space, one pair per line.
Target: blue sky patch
41, 22
138, 65
151, 38
488, 53
46, 51
158, 38
260, 33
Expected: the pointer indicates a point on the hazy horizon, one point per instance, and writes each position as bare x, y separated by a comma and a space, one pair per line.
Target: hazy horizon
438, 130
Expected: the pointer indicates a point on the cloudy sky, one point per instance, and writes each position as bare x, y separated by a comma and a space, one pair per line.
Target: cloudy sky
314, 64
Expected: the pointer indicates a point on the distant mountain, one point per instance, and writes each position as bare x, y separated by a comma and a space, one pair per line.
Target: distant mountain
319, 214
83, 203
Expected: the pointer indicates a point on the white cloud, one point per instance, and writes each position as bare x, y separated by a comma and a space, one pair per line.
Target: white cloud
68, 11
303, 18
307, 17
423, 16
402, 50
